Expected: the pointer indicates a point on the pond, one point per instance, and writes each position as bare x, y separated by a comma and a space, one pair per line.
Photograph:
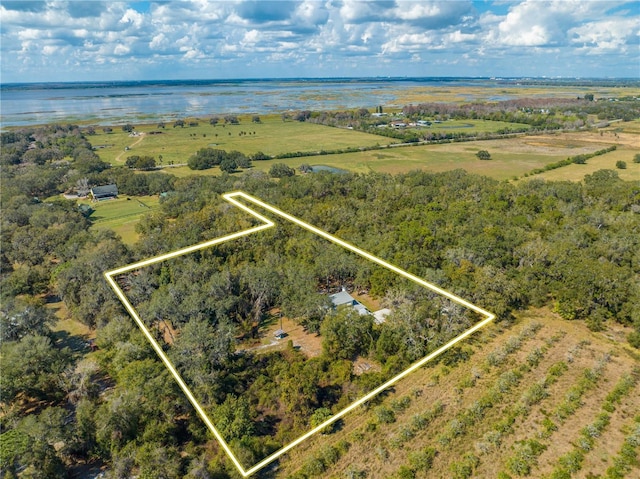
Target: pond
330, 169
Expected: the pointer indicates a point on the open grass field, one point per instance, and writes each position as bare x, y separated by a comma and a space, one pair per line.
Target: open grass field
272, 136
478, 415
606, 161
121, 214
510, 157
625, 135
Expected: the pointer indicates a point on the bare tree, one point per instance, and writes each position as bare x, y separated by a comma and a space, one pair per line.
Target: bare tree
82, 187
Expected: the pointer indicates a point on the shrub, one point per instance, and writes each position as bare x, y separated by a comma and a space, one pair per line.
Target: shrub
418, 422
621, 165
405, 473
280, 170
385, 415
355, 473
483, 155
572, 461
422, 460
399, 405
464, 469
636, 158
315, 467
534, 395
525, 457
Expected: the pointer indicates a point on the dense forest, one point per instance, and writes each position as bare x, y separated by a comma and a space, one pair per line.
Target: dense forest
571, 246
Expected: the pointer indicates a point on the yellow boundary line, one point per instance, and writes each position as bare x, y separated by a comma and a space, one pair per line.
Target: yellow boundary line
231, 197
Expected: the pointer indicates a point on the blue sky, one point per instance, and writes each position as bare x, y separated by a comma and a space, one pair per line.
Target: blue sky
106, 40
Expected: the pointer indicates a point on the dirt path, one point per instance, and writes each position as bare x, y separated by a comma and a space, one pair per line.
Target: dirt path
141, 137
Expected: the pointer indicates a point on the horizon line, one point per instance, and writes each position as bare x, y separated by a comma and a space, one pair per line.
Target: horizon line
362, 78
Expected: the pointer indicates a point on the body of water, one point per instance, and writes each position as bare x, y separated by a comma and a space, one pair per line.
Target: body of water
105, 103
117, 102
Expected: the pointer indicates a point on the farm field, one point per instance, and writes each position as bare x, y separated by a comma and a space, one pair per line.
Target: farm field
121, 214
480, 413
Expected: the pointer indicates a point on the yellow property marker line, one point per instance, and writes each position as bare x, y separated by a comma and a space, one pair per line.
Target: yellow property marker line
231, 197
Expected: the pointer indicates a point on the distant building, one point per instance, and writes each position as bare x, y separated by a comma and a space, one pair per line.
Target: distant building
106, 192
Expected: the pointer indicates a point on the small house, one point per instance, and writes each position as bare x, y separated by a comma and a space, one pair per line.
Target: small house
106, 192
344, 298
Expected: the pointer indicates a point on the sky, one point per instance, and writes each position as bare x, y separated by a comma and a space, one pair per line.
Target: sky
197, 39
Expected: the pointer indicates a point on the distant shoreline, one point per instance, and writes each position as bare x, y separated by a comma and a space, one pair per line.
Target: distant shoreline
575, 81
114, 103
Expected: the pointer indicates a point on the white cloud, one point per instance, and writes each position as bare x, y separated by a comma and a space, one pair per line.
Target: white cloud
607, 36
317, 34
121, 50
159, 42
132, 17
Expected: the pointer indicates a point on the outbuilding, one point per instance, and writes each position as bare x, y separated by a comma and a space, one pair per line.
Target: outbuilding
106, 192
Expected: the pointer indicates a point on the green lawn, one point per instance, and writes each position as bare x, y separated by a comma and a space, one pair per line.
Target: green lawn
122, 214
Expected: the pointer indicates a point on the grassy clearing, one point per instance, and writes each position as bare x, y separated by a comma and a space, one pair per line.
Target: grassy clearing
510, 157
607, 161
122, 214
272, 136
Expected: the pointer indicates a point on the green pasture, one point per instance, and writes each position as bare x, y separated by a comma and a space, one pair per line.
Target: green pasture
121, 214
510, 157
606, 161
272, 136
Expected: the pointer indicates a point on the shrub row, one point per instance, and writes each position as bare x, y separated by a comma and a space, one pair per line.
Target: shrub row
571, 462
628, 455
317, 466
459, 425
621, 389
534, 395
418, 422
499, 355
573, 397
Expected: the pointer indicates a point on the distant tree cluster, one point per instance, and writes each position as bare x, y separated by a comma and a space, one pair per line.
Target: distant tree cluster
206, 158
144, 162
